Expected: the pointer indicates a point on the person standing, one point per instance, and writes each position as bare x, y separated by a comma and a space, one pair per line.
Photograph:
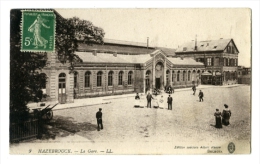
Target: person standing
161, 102
194, 89
217, 115
137, 100
99, 119
226, 114
169, 101
201, 96
149, 98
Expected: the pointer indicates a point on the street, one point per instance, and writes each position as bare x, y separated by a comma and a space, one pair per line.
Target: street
189, 121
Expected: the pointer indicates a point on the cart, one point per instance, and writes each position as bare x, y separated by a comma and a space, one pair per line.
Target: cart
44, 113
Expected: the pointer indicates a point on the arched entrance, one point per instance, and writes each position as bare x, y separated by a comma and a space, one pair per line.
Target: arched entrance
159, 75
62, 88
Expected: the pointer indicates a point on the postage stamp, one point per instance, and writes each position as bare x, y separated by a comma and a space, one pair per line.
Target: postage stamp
38, 31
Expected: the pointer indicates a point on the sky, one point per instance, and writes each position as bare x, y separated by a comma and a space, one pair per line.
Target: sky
172, 27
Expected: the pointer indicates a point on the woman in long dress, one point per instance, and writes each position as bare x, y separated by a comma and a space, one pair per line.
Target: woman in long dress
137, 100
217, 115
226, 114
155, 102
38, 40
161, 103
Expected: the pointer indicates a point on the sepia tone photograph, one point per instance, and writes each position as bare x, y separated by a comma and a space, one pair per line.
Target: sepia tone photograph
127, 81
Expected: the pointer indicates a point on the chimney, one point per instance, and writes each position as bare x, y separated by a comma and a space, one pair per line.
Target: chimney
147, 42
221, 38
115, 54
94, 52
195, 43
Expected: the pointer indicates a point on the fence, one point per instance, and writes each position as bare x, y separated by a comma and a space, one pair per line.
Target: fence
24, 130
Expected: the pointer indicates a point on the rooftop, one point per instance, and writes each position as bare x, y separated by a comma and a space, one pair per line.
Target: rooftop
208, 45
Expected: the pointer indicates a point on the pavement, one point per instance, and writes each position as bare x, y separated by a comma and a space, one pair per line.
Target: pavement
107, 99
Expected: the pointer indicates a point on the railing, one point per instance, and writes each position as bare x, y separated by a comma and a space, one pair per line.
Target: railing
24, 130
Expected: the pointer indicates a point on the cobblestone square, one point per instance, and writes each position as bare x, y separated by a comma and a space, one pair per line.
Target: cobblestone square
189, 121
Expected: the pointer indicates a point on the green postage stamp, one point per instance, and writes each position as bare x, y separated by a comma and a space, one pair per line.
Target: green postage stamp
38, 31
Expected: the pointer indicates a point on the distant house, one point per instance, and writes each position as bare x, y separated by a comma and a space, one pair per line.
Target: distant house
244, 75
220, 58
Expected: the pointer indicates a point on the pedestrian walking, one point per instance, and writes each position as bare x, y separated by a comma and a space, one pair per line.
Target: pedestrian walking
149, 98
194, 89
99, 119
226, 114
169, 101
201, 95
217, 115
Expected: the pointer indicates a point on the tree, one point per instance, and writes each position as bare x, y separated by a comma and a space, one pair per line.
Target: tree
26, 81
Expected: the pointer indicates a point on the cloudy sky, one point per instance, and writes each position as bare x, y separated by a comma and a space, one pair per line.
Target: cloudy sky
172, 27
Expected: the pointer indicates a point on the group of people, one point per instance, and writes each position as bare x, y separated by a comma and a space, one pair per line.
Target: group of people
222, 118
157, 102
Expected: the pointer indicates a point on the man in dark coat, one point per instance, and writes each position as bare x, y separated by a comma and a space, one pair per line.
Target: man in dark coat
194, 89
169, 101
149, 98
99, 119
201, 95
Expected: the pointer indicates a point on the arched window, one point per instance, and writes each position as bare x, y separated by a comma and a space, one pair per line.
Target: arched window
87, 79
75, 79
183, 76
62, 83
130, 76
99, 79
110, 78
120, 78
189, 76
173, 76
178, 76
147, 78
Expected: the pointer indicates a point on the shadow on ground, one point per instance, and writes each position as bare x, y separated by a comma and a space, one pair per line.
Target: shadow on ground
61, 126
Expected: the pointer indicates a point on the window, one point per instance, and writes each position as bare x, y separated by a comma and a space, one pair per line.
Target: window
178, 76
189, 76
147, 78
87, 79
110, 78
235, 62
99, 79
75, 79
62, 83
209, 61
184, 48
183, 76
167, 76
172, 75
130, 76
120, 78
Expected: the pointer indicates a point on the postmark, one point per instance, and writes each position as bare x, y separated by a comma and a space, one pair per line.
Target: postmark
231, 147
38, 31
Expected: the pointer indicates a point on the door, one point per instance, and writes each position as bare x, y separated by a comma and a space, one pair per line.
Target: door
62, 88
158, 83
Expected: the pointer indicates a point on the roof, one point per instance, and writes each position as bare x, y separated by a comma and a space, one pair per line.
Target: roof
208, 45
184, 61
122, 42
167, 51
110, 58
109, 48
88, 57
